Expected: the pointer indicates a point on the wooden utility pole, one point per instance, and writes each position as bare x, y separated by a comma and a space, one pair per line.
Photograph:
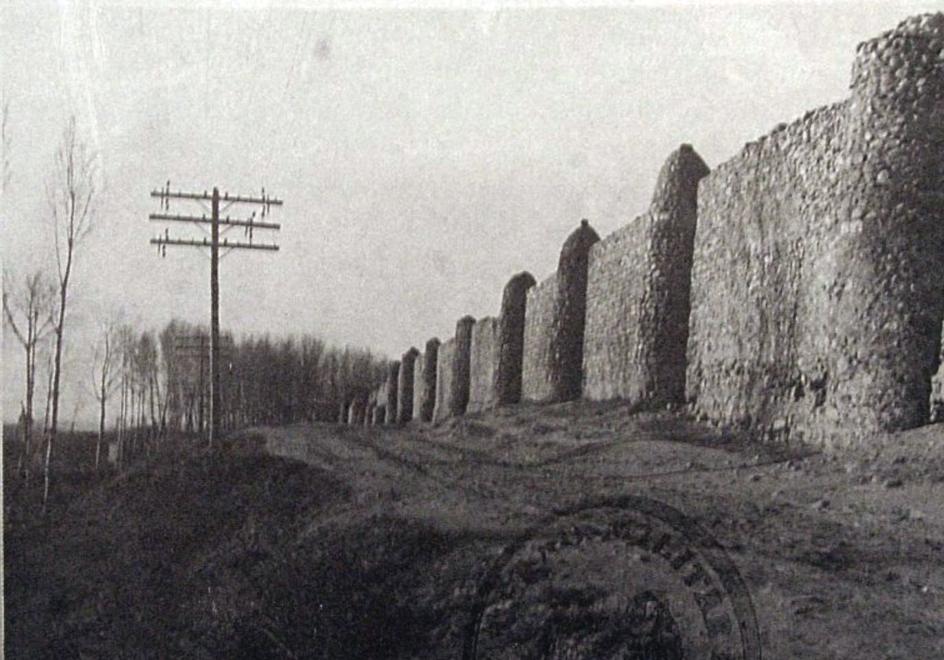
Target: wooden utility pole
249, 225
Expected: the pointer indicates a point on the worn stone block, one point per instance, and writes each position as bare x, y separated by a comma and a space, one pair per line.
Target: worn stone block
424, 386
638, 294
405, 386
483, 365
554, 325
511, 325
445, 378
461, 366
393, 378
536, 382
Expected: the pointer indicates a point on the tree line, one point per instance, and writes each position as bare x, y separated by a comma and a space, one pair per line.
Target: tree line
147, 383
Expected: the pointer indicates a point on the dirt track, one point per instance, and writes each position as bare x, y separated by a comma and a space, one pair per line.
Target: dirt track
841, 556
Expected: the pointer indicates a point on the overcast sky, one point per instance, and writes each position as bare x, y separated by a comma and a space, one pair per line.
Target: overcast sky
424, 155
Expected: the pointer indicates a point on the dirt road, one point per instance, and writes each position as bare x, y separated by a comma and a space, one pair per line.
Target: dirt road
592, 532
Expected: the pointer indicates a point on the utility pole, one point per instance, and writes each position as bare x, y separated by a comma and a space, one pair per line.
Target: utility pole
215, 244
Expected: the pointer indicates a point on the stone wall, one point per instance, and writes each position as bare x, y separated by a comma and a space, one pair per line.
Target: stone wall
418, 368
511, 337
483, 365
424, 384
536, 384
638, 294
405, 386
461, 371
571, 314
554, 324
444, 379
393, 379
816, 300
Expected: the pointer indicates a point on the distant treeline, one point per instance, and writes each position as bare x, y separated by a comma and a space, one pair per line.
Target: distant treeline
264, 379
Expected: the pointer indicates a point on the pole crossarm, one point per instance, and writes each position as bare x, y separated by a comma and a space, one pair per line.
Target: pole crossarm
224, 197
225, 244
223, 221
212, 351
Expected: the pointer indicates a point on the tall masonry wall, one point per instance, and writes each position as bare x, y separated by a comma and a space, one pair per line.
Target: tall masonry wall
483, 365
807, 268
393, 379
511, 337
567, 333
405, 386
418, 366
638, 294
816, 301
461, 378
425, 385
536, 384
444, 379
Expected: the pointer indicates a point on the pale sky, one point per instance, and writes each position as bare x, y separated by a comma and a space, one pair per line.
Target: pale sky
424, 155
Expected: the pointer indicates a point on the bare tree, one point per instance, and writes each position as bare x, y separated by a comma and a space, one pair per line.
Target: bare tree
71, 192
28, 310
106, 368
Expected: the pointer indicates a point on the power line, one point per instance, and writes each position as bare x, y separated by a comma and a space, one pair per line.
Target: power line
266, 202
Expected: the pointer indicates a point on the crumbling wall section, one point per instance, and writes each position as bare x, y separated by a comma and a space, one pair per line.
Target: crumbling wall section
405, 386
393, 379
424, 389
511, 326
638, 286
816, 302
444, 379
536, 382
418, 365
483, 365
461, 366
571, 313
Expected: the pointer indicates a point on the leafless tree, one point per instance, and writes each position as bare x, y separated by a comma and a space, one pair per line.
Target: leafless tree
28, 309
106, 368
71, 192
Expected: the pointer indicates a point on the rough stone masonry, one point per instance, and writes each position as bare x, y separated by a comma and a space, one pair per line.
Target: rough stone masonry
536, 382
554, 326
511, 337
816, 293
405, 387
483, 365
444, 379
638, 294
424, 382
393, 378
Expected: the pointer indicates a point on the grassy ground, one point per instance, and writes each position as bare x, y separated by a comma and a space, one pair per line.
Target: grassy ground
321, 541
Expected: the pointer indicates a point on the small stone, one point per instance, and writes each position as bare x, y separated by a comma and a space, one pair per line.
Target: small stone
883, 177
892, 483
820, 505
754, 477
